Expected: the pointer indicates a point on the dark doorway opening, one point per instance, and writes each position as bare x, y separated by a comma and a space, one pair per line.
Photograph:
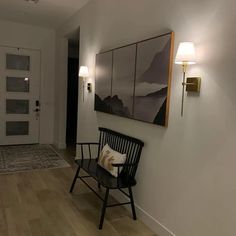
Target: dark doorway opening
72, 91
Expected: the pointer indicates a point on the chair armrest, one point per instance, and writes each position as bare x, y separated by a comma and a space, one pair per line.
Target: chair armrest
92, 143
122, 164
119, 165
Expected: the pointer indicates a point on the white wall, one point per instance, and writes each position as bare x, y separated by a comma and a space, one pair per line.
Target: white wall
26, 36
187, 177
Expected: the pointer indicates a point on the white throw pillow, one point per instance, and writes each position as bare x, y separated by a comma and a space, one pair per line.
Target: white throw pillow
108, 157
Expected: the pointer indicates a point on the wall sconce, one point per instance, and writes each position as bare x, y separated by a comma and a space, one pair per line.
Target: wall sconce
186, 56
83, 73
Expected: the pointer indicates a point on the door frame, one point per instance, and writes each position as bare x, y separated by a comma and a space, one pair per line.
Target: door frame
61, 90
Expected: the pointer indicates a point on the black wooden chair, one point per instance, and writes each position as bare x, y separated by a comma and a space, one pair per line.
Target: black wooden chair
132, 147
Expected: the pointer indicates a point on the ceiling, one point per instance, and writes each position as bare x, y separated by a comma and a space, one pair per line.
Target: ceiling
46, 13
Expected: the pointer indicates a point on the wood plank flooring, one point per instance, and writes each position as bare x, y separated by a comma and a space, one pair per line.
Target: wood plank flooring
38, 203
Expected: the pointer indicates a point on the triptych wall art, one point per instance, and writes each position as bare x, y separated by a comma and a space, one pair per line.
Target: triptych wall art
134, 81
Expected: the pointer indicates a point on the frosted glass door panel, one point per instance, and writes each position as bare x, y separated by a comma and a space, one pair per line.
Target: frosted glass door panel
17, 128
17, 62
14, 106
15, 84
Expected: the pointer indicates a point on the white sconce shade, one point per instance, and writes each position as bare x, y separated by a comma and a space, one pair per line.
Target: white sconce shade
83, 71
186, 54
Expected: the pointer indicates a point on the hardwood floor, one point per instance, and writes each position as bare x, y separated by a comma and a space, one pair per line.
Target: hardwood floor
38, 203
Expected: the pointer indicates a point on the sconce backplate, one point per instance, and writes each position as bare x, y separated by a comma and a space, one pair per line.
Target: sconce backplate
89, 87
193, 84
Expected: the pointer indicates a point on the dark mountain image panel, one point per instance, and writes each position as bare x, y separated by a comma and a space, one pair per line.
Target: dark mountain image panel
112, 105
152, 79
117, 106
123, 81
150, 107
100, 105
103, 81
160, 117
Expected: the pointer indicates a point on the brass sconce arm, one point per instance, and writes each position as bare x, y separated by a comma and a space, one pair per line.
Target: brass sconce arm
184, 67
188, 83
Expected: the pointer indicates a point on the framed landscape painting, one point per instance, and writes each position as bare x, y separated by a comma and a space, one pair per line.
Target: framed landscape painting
134, 81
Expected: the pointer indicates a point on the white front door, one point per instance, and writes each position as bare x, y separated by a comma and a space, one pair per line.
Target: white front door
19, 96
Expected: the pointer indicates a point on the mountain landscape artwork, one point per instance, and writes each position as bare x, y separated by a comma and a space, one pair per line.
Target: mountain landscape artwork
134, 81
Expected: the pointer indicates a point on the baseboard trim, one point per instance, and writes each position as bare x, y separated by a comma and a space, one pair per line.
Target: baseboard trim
147, 219
154, 224
61, 145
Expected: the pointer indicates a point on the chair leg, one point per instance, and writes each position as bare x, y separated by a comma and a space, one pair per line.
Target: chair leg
74, 180
132, 203
104, 209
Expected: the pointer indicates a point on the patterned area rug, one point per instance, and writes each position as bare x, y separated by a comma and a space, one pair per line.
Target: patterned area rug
29, 157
